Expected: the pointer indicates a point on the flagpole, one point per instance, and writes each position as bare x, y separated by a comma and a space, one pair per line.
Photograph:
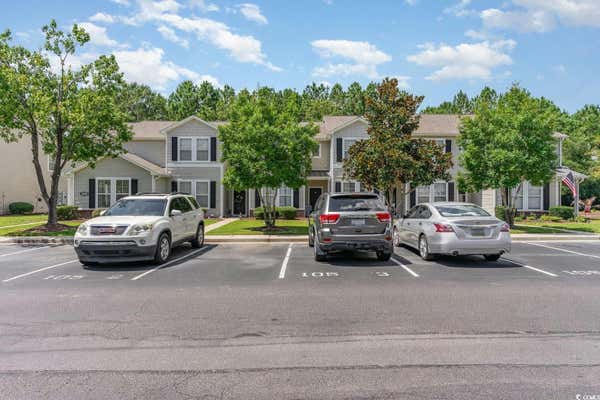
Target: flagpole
576, 198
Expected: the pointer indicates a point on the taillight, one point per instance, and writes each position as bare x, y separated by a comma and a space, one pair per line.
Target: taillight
384, 216
505, 228
330, 218
443, 228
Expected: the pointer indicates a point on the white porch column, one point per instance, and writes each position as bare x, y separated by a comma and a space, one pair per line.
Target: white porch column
488, 200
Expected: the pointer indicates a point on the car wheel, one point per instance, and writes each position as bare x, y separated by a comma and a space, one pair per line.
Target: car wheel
320, 255
384, 256
492, 257
163, 249
396, 236
424, 249
199, 239
311, 240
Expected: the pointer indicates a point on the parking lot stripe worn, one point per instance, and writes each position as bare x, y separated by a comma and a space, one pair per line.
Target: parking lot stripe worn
410, 271
530, 267
565, 250
193, 253
39, 270
23, 251
285, 261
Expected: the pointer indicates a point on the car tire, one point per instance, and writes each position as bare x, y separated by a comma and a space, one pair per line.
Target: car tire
198, 241
396, 238
492, 257
384, 255
163, 249
424, 249
320, 255
311, 240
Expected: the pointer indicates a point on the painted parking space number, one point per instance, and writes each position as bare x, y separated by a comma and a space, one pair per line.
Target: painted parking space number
583, 273
64, 277
319, 274
382, 274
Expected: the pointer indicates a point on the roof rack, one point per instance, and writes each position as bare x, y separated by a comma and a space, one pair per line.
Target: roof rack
150, 194
182, 193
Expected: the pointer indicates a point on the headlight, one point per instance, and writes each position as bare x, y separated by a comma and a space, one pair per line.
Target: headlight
82, 229
142, 228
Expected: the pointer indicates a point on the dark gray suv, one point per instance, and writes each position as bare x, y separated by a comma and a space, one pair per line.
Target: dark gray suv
350, 221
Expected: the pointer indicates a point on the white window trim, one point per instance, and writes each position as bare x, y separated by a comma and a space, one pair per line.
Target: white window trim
432, 193
356, 186
113, 188
344, 139
194, 140
525, 194
193, 187
277, 204
318, 155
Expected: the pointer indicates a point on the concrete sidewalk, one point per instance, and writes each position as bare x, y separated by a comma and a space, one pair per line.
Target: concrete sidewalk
219, 224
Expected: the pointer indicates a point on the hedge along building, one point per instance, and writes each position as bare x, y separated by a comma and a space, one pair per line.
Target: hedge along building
184, 156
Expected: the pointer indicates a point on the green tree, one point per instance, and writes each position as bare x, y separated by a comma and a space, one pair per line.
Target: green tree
507, 142
355, 101
266, 147
184, 101
69, 115
140, 102
583, 128
337, 97
460, 104
225, 102
391, 157
208, 97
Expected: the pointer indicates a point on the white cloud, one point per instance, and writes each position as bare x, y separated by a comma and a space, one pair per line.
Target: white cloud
460, 9
203, 6
560, 68
411, 2
125, 3
252, 13
402, 81
364, 58
464, 61
102, 18
99, 36
543, 15
171, 36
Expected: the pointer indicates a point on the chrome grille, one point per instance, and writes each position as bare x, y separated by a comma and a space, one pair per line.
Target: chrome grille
105, 230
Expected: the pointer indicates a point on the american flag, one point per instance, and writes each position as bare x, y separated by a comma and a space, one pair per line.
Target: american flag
570, 182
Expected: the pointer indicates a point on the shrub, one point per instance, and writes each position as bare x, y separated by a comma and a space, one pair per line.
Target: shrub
20, 207
286, 212
520, 219
582, 219
97, 212
66, 213
550, 218
563, 212
259, 213
499, 212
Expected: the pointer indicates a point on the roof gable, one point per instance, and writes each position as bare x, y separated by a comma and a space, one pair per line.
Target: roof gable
191, 118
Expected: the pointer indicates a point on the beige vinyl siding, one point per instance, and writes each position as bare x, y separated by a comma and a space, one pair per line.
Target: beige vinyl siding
153, 151
356, 130
208, 173
322, 163
109, 168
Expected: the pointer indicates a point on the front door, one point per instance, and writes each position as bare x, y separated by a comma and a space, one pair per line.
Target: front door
313, 195
239, 202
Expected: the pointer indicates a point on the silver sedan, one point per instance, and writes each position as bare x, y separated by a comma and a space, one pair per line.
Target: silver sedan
452, 228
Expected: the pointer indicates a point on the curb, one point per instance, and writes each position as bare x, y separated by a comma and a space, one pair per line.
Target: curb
523, 237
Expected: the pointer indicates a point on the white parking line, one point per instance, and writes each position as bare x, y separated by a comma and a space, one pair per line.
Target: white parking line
39, 270
285, 261
565, 250
23, 251
135, 278
530, 267
410, 271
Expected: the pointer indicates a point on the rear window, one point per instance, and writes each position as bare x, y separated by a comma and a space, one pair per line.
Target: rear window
355, 203
462, 210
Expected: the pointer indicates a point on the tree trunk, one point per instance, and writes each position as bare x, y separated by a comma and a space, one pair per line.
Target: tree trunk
269, 209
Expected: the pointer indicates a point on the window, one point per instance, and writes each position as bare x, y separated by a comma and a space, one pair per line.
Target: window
203, 193
150, 207
462, 210
202, 149
122, 186
519, 203
285, 197
194, 202
185, 187
317, 152
424, 212
530, 197
110, 190
50, 162
350, 187
181, 204
185, 149
534, 197
439, 191
346, 144
103, 192
356, 202
440, 142
423, 194
433, 193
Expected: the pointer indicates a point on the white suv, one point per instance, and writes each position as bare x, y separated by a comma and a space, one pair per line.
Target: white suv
141, 227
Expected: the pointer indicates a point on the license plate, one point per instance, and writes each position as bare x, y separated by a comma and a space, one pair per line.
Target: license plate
478, 232
357, 222
107, 230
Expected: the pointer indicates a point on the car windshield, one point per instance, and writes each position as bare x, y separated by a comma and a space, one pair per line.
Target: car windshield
461, 210
355, 203
138, 207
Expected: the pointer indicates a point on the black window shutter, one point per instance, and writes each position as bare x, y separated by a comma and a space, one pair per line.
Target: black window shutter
339, 149
134, 186
173, 186
92, 193
338, 187
448, 146
213, 149
174, 148
256, 198
213, 194
546, 204
413, 198
394, 196
450, 191
296, 198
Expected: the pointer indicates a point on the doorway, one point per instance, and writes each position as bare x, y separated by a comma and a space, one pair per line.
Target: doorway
313, 195
239, 202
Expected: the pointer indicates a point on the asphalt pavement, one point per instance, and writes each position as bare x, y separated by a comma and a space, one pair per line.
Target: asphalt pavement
267, 321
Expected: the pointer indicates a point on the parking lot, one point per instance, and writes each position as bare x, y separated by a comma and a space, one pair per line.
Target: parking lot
224, 316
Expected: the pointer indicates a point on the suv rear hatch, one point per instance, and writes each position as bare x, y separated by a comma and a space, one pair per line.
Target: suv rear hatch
360, 214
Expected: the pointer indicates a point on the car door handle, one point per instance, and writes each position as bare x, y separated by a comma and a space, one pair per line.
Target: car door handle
420, 223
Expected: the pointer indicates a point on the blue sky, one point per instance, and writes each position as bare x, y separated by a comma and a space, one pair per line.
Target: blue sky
434, 47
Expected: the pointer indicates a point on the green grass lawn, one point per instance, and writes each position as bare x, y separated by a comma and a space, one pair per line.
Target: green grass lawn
210, 221
252, 227
22, 230
10, 220
546, 227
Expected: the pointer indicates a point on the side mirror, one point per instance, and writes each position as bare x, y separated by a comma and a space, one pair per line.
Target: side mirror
174, 213
307, 210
